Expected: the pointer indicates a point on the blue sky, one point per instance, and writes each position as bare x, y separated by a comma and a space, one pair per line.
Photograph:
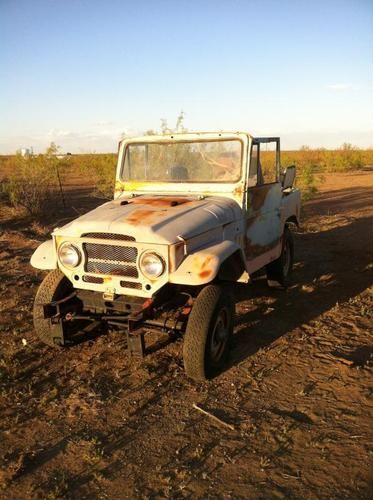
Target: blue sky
81, 73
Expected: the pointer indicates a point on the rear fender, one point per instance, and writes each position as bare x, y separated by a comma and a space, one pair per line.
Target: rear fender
290, 207
45, 256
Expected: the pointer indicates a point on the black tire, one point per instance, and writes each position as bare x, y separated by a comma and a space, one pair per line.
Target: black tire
280, 269
54, 287
208, 333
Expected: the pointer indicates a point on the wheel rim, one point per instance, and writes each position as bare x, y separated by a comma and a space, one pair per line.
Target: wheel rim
219, 335
286, 256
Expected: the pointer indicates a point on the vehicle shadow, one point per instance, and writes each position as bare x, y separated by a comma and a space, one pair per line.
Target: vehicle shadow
331, 267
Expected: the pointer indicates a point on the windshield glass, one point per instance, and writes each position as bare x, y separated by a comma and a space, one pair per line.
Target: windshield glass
204, 161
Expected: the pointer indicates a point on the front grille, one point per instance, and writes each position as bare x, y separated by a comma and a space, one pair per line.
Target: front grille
110, 253
93, 279
131, 284
113, 268
110, 259
109, 236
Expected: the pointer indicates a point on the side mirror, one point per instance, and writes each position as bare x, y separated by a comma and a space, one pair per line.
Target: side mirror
288, 177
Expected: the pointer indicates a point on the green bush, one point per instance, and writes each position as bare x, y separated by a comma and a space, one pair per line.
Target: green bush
306, 181
347, 157
32, 180
101, 170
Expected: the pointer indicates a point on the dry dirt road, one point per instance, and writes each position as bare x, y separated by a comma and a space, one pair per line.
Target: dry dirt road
88, 423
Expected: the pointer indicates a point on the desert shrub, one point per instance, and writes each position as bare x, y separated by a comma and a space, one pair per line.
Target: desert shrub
104, 171
367, 155
3, 162
31, 180
100, 169
347, 157
95, 170
307, 182
309, 163
312, 163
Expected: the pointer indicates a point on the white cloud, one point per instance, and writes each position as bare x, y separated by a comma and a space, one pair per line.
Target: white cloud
339, 86
89, 140
103, 123
99, 137
56, 133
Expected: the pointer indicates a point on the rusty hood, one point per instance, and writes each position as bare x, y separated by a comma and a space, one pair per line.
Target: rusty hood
156, 219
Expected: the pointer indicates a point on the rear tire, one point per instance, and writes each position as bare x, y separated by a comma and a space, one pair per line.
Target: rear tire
208, 333
55, 286
280, 269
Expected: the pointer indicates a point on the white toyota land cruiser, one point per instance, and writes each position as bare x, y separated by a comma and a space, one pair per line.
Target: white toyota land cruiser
191, 213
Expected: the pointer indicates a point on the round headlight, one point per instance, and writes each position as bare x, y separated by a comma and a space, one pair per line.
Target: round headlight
151, 265
69, 255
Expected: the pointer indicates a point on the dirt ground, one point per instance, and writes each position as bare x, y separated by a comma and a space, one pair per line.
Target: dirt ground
87, 422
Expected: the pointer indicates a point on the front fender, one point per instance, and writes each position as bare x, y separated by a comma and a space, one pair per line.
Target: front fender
45, 256
201, 267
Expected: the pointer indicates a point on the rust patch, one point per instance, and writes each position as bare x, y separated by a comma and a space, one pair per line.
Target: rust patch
147, 304
238, 191
160, 201
258, 196
205, 274
250, 221
254, 250
205, 271
188, 307
142, 216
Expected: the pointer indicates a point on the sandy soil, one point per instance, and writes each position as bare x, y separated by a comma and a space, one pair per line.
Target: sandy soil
88, 422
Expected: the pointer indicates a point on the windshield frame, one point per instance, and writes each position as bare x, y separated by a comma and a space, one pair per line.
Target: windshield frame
173, 139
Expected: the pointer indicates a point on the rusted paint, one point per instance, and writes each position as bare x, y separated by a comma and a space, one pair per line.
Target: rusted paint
257, 196
143, 216
160, 201
205, 271
188, 307
250, 221
147, 304
253, 250
205, 274
263, 259
238, 191
263, 225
